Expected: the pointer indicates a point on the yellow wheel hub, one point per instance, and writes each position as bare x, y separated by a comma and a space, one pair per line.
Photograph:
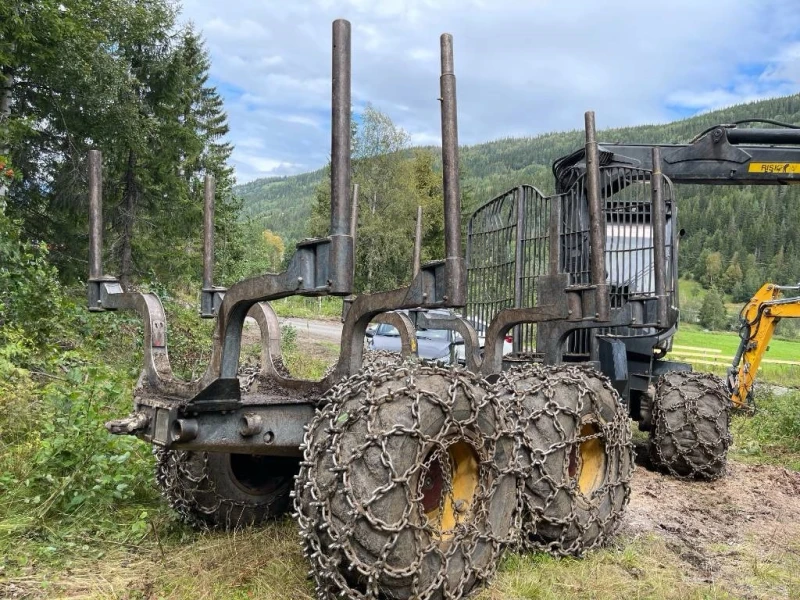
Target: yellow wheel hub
587, 461
448, 503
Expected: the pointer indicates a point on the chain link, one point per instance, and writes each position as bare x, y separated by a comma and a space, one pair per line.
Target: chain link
372, 520
691, 418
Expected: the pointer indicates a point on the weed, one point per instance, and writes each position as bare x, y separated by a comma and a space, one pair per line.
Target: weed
772, 434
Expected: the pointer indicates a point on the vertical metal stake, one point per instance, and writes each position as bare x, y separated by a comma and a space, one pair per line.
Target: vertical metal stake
340, 130
519, 258
209, 188
452, 196
417, 244
95, 214
659, 223
596, 220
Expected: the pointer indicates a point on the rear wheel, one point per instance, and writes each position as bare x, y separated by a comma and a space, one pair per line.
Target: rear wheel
689, 437
225, 490
407, 488
578, 458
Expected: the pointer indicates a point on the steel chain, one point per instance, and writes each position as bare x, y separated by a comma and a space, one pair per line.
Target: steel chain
702, 454
352, 475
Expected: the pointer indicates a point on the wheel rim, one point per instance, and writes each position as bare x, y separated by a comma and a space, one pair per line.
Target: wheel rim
587, 460
444, 503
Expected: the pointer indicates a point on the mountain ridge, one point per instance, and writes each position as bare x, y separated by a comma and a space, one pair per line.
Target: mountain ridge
283, 204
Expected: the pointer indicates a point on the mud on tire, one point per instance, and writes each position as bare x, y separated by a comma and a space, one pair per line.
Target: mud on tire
224, 490
407, 487
691, 416
578, 458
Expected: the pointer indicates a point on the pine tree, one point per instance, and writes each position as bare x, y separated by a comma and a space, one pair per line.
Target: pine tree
712, 312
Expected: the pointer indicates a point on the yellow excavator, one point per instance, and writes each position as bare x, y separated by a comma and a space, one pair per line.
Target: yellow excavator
758, 320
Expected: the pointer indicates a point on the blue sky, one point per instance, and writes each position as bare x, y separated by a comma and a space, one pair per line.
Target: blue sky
523, 67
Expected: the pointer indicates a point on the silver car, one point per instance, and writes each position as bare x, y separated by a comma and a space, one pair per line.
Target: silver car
439, 345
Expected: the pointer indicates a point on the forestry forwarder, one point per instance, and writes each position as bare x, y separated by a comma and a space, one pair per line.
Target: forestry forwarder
521, 241
409, 480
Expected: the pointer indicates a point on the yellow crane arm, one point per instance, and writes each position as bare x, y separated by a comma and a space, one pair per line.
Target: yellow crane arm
758, 320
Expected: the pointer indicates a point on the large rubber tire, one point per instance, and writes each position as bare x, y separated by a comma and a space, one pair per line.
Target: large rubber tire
689, 437
579, 456
226, 491
407, 488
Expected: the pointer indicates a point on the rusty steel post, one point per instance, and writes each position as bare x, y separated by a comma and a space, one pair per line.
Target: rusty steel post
519, 266
659, 223
208, 232
452, 195
354, 215
596, 221
340, 130
417, 244
95, 214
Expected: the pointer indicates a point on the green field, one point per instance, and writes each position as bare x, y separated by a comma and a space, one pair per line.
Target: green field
727, 343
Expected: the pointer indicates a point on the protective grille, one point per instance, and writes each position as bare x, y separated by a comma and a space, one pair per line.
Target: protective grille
629, 234
507, 251
503, 266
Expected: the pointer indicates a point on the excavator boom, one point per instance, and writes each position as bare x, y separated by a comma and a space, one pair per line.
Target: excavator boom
758, 320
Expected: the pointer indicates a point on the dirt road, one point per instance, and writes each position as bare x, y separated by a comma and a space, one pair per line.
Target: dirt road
325, 330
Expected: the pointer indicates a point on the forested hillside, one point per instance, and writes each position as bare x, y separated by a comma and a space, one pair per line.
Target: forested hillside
283, 204
736, 237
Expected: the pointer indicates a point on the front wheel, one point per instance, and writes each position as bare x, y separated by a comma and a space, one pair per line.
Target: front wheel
407, 487
689, 437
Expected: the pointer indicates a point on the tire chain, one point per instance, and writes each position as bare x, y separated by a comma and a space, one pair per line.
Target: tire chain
183, 476
715, 450
337, 566
529, 391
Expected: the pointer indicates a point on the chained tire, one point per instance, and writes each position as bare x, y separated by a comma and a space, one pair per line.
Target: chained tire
374, 359
227, 491
690, 435
407, 487
577, 459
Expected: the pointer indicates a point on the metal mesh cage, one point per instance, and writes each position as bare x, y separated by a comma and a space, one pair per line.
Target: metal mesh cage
508, 249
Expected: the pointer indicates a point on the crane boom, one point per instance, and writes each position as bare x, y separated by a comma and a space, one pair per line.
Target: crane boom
722, 155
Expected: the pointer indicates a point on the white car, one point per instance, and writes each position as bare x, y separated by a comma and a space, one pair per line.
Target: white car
480, 328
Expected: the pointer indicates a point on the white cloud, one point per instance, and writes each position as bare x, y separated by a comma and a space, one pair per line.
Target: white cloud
523, 67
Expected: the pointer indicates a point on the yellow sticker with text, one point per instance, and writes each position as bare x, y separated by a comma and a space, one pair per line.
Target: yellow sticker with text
774, 167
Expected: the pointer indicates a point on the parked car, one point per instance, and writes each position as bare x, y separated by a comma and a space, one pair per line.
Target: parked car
432, 344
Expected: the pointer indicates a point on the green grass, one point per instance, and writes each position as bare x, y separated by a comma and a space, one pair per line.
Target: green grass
727, 343
632, 568
772, 434
308, 308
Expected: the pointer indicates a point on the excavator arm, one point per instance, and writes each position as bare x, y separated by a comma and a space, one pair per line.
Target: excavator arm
758, 320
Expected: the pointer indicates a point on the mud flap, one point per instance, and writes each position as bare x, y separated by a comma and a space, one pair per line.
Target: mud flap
614, 364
